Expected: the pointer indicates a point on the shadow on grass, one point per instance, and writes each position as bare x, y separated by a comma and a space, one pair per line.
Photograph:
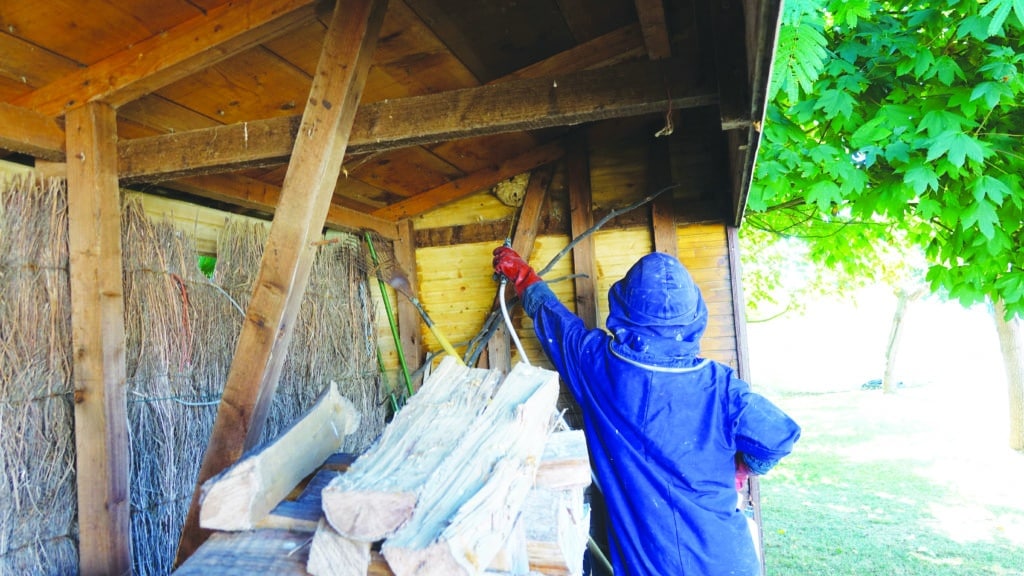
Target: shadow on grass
870, 490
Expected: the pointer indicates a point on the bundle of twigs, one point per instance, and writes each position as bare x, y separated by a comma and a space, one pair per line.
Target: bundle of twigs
37, 474
175, 321
334, 337
183, 330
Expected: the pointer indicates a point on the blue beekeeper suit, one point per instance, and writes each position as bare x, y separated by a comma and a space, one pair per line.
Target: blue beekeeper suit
664, 426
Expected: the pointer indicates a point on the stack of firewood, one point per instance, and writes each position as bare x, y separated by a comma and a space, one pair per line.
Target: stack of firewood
467, 479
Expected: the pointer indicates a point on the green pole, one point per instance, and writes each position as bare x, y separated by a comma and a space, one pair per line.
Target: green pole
391, 316
384, 378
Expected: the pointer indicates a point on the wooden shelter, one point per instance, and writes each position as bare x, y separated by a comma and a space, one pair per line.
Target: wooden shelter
443, 126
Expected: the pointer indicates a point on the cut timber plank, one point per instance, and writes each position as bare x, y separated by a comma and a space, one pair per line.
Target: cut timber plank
290, 250
277, 552
379, 491
468, 507
304, 513
245, 493
98, 339
331, 554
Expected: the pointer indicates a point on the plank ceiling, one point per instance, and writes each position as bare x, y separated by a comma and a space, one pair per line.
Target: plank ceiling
209, 92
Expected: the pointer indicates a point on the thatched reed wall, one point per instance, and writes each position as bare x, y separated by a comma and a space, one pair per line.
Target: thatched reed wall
38, 532
181, 331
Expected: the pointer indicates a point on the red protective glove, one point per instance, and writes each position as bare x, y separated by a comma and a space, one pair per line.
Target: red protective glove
512, 266
742, 472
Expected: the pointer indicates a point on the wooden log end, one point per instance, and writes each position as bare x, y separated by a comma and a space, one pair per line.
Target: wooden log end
365, 515
227, 500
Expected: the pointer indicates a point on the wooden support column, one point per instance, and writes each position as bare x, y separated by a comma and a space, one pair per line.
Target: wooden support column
408, 316
97, 335
498, 349
663, 217
581, 208
290, 250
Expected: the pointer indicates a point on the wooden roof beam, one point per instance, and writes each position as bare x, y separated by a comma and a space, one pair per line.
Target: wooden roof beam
290, 250
651, 14
168, 56
31, 133
628, 89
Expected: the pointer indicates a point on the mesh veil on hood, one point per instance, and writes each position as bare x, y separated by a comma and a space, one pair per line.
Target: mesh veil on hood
657, 314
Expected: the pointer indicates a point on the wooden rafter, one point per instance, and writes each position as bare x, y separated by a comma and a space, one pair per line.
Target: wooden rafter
629, 89
290, 250
438, 20
659, 175
626, 43
582, 219
98, 338
471, 183
652, 22
498, 350
169, 56
408, 316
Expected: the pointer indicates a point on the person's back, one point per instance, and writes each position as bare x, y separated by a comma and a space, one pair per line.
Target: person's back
664, 426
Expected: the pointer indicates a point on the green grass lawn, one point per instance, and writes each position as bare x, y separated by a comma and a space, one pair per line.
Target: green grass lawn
915, 483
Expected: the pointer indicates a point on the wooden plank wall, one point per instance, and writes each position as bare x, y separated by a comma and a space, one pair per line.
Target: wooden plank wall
456, 286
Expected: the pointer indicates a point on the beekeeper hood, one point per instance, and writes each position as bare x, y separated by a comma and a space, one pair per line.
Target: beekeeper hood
656, 314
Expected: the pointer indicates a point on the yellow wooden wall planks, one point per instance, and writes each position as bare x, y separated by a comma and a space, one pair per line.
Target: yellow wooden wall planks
456, 286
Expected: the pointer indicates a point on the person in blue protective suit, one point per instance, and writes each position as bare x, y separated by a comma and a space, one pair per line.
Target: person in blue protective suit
669, 433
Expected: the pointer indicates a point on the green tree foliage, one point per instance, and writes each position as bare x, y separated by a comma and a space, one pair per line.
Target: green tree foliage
898, 124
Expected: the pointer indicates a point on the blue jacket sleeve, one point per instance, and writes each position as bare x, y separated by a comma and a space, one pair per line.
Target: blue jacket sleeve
764, 433
559, 331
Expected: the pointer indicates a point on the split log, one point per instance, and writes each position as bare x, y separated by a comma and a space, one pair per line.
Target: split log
513, 557
244, 494
557, 528
467, 508
554, 512
566, 463
379, 491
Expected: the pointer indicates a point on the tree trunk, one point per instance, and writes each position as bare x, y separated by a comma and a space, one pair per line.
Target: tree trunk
1010, 343
903, 299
